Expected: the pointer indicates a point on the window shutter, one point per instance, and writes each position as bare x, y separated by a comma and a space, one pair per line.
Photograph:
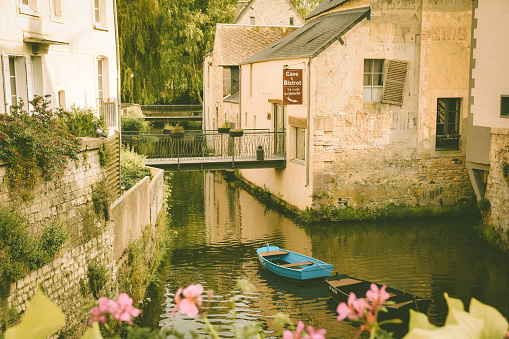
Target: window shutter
30, 79
394, 82
7, 82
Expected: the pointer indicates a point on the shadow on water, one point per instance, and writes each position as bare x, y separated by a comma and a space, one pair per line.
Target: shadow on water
218, 228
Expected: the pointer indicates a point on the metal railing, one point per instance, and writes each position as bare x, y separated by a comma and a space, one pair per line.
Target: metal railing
205, 145
108, 109
173, 110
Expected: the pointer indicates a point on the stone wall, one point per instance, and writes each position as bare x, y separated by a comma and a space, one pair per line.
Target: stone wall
497, 189
92, 239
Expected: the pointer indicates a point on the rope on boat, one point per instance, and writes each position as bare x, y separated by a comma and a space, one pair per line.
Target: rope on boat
324, 267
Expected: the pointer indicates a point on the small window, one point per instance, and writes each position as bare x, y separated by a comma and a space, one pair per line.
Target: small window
28, 7
12, 81
100, 79
504, 106
291, 21
300, 143
230, 80
448, 124
251, 20
99, 13
56, 9
61, 99
373, 80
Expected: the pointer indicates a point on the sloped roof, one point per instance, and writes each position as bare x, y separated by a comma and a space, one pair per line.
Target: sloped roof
237, 42
324, 6
312, 38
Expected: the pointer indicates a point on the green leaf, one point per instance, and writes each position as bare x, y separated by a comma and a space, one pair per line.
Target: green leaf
42, 318
420, 320
495, 325
92, 332
466, 321
446, 332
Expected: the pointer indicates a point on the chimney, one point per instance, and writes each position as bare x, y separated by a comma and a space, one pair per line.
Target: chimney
241, 4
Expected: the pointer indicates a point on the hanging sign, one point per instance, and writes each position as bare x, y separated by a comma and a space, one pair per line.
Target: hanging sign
292, 86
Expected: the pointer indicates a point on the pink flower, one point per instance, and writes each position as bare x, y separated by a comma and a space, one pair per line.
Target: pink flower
353, 309
320, 334
377, 296
106, 306
311, 333
190, 305
125, 309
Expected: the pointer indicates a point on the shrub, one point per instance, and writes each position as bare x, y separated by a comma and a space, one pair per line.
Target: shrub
97, 278
132, 168
101, 198
36, 139
134, 121
20, 251
83, 122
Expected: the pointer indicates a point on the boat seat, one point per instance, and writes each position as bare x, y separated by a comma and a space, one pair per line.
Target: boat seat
272, 253
297, 264
344, 282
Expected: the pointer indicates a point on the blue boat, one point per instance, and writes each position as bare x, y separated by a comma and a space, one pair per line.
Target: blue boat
292, 265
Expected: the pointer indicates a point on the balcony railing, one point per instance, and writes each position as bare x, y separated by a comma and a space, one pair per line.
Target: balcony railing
108, 110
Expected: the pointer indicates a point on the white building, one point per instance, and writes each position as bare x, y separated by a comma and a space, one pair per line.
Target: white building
63, 48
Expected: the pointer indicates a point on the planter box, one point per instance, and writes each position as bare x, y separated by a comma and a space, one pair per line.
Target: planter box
236, 133
176, 135
223, 129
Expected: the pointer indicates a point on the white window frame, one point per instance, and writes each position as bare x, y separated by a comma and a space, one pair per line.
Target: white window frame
28, 7
300, 144
19, 77
99, 14
57, 10
372, 89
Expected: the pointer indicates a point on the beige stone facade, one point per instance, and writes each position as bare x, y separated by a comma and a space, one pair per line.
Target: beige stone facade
365, 152
234, 43
66, 49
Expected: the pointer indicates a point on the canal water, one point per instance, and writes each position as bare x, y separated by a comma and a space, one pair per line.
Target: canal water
217, 228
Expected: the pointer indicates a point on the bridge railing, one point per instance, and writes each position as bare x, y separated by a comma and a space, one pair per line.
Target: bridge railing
196, 145
173, 110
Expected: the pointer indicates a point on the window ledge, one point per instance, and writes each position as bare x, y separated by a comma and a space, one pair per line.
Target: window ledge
445, 153
57, 19
99, 27
28, 11
298, 161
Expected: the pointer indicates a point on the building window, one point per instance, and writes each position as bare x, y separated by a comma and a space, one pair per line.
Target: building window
448, 124
100, 78
99, 13
300, 143
56, 9
28, 7
12, 81
504, 106
61, 99
251, 20
373, 80
291, 21
230, 81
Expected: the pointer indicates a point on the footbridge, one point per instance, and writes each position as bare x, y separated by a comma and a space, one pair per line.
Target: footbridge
209, 150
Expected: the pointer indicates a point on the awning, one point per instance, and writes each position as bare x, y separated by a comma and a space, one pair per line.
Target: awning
41, 39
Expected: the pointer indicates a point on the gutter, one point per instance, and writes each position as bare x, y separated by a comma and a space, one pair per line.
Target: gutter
119, 104
308, 133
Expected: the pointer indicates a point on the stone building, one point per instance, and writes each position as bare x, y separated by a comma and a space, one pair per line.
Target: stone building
381, 116
259, 23
63, 48
488, 147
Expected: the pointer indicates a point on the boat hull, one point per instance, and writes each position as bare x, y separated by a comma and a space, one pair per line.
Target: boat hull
292, 265
340, 287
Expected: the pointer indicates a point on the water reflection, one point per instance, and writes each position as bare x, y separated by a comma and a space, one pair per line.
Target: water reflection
219, 227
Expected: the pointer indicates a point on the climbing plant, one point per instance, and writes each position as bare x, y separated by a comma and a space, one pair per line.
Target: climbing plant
35, 139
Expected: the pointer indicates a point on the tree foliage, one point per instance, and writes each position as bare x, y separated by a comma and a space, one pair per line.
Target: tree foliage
163, 44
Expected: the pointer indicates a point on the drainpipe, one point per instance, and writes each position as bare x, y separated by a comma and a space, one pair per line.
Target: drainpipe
308, 148
240, 96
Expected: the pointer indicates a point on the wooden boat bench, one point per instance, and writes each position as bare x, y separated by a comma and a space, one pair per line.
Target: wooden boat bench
272, 253
297, 264
344, 282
